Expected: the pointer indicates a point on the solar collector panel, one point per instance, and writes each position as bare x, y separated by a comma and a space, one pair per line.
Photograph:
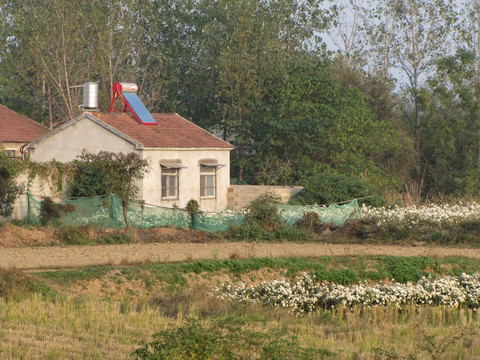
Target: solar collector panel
139, 109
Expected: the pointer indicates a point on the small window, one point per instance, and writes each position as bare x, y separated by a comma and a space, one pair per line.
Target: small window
169, 183
10, 153
207, 180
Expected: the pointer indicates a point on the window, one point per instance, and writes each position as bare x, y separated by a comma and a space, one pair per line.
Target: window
169, 183
10, 153
207, 180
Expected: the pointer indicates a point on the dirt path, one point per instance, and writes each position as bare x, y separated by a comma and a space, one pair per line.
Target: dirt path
79, 256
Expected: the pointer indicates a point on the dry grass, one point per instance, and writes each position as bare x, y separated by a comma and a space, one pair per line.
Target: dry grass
87, 328
73, 328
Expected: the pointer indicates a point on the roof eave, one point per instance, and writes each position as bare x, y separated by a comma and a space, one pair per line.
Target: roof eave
188, 148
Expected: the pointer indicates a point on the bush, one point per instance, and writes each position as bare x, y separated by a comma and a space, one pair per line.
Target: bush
49, 211
52, 212
74, 235
263, 211
14, 284
311, 221
328, 188
9, 190
292, 233
249, 230
224, 338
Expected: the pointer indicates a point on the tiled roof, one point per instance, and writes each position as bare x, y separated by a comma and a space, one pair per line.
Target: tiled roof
15, 127
172, 131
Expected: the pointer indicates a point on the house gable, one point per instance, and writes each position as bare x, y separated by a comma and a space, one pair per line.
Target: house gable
66, 142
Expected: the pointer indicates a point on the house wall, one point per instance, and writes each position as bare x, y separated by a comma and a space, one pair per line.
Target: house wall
68, 143
239, 196
13, 146
39, 188
189, 178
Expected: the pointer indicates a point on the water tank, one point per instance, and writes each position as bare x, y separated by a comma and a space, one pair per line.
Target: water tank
90, 96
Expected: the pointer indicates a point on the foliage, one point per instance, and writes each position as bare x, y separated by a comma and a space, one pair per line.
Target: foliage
15, 284
263, 211
87, 180
225, 338
117, 171
262, 220
193, 208
9, 190
50, 212
311, 221
85, 235
329, 187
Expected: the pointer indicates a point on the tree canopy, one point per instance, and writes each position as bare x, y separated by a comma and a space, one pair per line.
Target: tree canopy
395, 106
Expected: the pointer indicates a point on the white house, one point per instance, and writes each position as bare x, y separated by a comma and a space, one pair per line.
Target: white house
186, 161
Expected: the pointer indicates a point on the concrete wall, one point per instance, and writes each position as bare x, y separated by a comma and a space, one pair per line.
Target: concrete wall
188, 178
239, 196
66, 145
38, 187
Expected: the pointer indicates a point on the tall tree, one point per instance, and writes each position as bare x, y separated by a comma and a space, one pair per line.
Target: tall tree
261, 38
468, 38
418, 35
50, 45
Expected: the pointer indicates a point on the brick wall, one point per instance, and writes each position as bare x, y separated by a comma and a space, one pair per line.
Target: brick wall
239, 196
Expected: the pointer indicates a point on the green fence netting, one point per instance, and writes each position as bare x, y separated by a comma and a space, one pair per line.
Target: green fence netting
338, 214
106, 212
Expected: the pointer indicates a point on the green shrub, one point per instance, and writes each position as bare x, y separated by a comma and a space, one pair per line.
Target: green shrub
408, 269
50, 212
263, 210
14, 284
328, 188
292, 233
249, 230
261, 222
9, 190
224, 338
88, 180
74, 235
311, 221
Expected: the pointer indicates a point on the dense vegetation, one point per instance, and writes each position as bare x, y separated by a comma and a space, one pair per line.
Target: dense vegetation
395, 107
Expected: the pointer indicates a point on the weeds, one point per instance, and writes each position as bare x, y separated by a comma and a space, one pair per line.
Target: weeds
224, 338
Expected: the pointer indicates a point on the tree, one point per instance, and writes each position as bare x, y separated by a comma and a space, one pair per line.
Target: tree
417, 36
117, 172
313, 123
51, 47
451, 130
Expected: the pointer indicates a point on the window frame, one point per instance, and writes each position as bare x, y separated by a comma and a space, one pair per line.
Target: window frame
208, 172
167, 174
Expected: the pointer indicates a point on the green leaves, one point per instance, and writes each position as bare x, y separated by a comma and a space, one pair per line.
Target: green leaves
109, 173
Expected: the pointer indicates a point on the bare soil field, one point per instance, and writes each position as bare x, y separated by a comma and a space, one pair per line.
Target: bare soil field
30, 249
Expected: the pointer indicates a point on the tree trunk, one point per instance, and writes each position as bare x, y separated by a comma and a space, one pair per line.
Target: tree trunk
125, 210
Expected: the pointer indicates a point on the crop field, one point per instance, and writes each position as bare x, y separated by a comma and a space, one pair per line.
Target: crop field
113, 313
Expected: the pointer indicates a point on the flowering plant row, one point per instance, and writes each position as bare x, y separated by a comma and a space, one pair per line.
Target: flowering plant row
306, 295
412, 215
